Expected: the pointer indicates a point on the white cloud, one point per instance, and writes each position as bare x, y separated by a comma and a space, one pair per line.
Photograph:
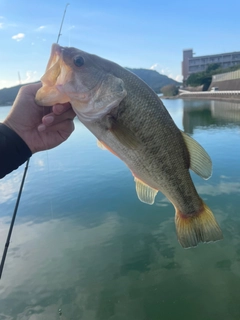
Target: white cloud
160, 69
9, 186
166, 71
8, 83
179, 78
154, 66
41, 28
2, 24
219, 189
18, 37
31, 76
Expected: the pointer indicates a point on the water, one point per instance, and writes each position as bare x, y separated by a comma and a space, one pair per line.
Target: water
84, 247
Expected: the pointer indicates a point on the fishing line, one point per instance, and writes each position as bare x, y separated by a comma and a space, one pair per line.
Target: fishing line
22, 184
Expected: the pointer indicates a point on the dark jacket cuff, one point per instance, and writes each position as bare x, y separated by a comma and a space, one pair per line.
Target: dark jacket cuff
13, 150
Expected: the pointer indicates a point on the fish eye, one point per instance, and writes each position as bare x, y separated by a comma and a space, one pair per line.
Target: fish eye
78, 61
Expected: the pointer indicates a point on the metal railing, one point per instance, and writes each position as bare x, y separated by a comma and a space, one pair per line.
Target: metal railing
234, 92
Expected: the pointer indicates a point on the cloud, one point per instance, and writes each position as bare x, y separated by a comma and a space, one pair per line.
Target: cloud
10, 186
154, 66
40, 28
160, 69
219, 189
18, 37
31, 76
7, 83
166, 71
179, 78
2, 24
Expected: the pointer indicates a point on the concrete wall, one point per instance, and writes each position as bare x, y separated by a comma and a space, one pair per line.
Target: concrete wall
226, 85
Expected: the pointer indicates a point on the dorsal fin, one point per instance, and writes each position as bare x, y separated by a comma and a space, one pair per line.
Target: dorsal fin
200, 162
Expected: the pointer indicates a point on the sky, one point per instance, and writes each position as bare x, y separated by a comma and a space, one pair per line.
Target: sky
136, 34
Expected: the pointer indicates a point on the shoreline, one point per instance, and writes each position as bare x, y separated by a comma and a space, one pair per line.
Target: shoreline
230, 98
227, 97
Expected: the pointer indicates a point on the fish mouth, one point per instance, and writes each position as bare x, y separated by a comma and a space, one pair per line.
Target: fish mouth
51, 92
55, 55
53, 68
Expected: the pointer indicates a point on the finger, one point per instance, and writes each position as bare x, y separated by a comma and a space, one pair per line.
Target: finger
31, 89
51, 119
64, 129
61, 108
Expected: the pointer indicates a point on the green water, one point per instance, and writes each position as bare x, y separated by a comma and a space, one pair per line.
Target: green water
84, 247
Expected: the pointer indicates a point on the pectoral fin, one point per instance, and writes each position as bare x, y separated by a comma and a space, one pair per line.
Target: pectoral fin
123, 134
200, 162
145, 193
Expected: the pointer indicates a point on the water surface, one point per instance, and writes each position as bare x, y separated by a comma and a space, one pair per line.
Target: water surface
84, 247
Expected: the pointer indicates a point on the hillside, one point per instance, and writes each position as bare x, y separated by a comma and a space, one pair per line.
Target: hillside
154, 79
7, 95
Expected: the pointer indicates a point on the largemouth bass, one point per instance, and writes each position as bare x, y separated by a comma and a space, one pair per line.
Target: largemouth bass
130, 120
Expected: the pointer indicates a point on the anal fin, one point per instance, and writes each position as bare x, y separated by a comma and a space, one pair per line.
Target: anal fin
145, 193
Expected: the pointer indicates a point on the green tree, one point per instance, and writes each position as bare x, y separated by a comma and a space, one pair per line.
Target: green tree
169, 90
213, 67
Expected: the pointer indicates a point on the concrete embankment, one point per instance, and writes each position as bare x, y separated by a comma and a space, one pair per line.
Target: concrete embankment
211, 95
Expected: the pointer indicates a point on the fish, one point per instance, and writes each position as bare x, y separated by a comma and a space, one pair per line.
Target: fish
129, 119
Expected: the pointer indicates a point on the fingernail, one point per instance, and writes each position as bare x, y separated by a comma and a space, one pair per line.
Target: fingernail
41, 127
48, 119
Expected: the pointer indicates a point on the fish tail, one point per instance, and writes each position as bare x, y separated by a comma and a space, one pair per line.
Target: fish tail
195, 228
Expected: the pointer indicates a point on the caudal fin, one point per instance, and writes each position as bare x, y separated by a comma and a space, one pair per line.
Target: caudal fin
201, 227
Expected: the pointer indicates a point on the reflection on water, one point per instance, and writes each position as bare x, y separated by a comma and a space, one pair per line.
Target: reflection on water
213, 113
85, 244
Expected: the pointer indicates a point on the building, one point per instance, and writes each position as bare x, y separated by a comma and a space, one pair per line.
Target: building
192, 64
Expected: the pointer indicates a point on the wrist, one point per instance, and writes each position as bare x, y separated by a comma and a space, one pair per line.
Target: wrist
11, 126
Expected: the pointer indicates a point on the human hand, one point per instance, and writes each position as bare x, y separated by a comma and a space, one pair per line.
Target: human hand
41, 128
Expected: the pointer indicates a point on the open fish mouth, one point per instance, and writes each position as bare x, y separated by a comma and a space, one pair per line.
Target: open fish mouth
56, 52
53, 68
53, 79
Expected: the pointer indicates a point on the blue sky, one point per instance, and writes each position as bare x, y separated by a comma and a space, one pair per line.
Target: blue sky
141, 34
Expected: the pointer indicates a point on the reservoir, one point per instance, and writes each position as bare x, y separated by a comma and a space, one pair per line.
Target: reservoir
85, 248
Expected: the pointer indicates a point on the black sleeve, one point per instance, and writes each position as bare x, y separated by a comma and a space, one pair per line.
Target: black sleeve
13, 150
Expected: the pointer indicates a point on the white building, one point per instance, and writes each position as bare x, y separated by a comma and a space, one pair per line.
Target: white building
192, 64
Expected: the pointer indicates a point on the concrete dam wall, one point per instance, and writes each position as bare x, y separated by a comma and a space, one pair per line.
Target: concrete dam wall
226, 81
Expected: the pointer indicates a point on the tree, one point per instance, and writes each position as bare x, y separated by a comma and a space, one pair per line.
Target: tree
170, 90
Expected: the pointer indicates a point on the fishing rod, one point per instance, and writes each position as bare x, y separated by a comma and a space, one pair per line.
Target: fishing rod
22, 184
60, 30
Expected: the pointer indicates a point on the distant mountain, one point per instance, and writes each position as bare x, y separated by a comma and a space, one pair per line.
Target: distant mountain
154, 79
8, 95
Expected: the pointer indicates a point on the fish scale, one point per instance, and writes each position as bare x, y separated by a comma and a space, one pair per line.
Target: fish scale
130, 120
